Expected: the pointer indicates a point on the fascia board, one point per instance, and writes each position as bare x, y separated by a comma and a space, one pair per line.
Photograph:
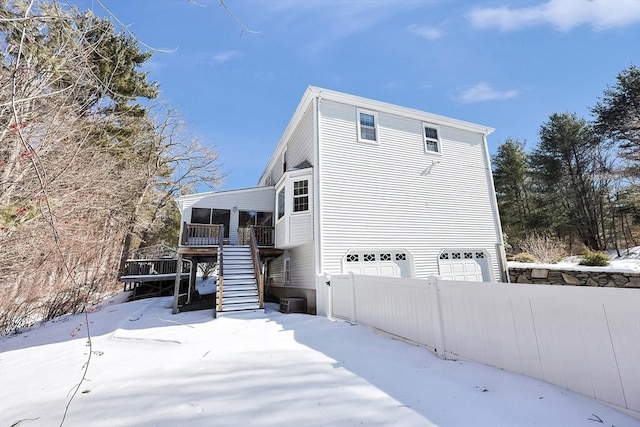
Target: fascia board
198, 196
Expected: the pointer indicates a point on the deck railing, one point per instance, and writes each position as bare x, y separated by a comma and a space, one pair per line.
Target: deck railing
220, 282
263, 235
255, 256
146, 267
201, 234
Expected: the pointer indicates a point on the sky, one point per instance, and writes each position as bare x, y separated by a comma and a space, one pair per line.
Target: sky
236, 74
151, 368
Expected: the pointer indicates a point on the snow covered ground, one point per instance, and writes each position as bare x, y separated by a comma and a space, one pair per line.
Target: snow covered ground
151, 368
627, 262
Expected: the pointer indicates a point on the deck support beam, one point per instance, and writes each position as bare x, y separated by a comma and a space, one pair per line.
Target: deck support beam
176, 289
192, 277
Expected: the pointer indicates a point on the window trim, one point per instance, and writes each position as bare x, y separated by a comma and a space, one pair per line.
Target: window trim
294, 196
376, 126
425, 139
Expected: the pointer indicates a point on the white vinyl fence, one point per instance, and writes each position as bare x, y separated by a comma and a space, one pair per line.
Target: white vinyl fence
581, 338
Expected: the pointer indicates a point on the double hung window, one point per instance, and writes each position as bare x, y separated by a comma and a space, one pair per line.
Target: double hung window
431, 138
301, 196
367, 126
281, 198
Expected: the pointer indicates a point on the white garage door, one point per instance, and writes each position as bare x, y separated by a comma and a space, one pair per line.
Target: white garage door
378, 263
471, 265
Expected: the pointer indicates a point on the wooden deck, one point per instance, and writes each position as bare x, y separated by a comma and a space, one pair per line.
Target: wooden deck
153, 277
203, 240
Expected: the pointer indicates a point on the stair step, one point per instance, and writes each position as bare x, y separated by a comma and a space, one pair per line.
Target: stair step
238, 272
240, 288
239, 300
240, 293
241, 307
236, 277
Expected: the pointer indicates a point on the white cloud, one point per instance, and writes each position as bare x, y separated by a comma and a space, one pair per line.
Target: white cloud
561, 14
333, 20
222, 57
425, 31
483, 91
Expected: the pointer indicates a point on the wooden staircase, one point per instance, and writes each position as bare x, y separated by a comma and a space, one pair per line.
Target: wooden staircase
240, 286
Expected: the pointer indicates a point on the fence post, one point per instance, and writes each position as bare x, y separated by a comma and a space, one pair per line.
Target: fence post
436, 317
353, 297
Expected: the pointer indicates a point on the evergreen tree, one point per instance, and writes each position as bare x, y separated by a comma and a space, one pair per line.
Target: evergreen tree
567, 166
511, 178
618, 117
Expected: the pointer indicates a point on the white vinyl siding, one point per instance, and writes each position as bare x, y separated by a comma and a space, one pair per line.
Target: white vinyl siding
391, 195
301, 260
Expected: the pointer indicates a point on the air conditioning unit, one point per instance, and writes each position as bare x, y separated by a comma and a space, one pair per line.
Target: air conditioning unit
293, 305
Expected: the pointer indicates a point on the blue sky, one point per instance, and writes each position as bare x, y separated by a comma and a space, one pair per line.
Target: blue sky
505, 64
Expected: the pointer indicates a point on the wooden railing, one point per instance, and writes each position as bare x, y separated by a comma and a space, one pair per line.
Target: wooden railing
220, 282
201, 234
255, 256
262, 233
146, 267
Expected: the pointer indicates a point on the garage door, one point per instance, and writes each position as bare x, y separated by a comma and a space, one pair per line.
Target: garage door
378, 263
470, 265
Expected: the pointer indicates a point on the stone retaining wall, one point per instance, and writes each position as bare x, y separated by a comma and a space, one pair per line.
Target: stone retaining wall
548, 276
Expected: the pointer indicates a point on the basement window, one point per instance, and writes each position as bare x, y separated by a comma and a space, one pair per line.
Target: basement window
287, 271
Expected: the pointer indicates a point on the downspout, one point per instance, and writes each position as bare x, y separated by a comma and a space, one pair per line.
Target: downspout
502, 257
316, 201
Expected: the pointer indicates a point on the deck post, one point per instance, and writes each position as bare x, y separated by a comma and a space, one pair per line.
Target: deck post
176, 289
192, 276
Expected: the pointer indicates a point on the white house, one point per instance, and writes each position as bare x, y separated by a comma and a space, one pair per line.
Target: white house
357, 185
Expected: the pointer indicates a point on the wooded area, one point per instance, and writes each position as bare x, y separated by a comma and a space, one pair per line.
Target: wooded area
579, 186
90, 160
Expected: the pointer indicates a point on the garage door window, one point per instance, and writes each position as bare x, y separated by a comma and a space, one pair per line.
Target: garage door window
465, 265
378, 263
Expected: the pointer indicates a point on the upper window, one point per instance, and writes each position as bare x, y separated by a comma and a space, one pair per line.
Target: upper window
284, 161
367, 126
281, 204
301, 195
431, 138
